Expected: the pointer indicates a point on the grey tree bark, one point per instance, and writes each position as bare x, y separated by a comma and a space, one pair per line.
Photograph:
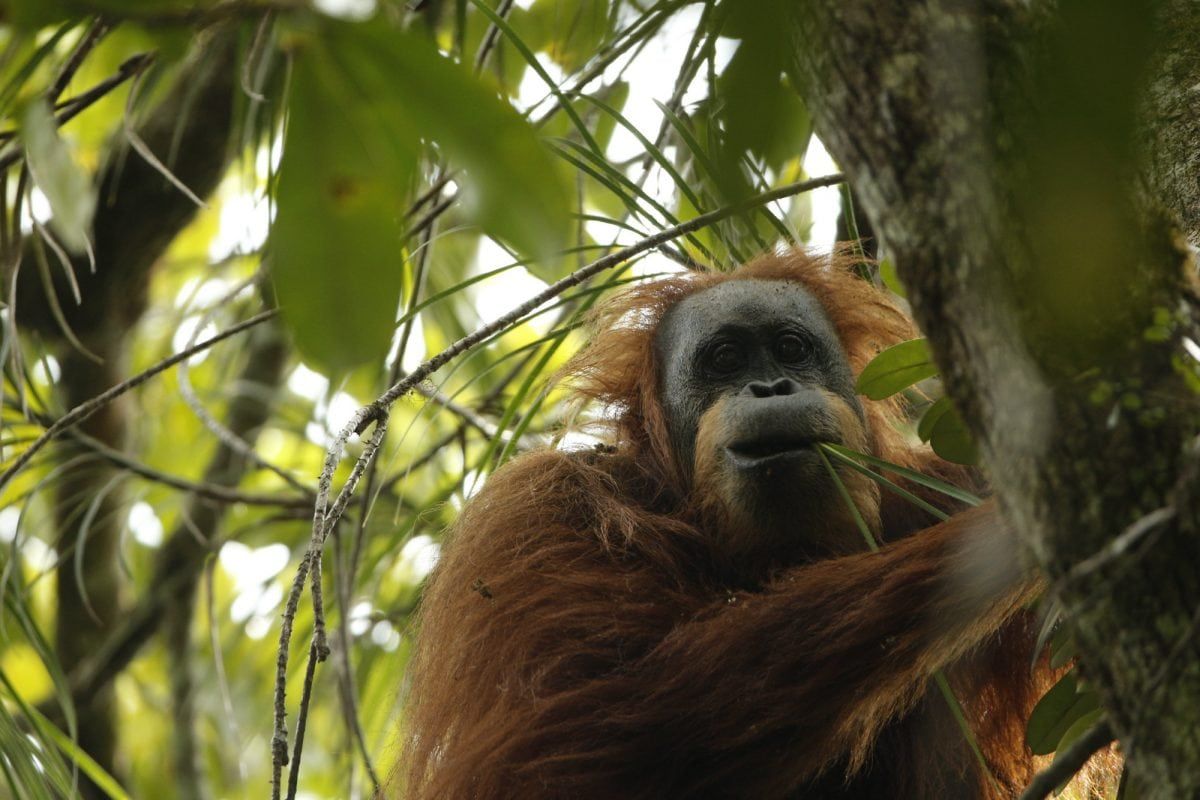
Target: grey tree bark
1028, 166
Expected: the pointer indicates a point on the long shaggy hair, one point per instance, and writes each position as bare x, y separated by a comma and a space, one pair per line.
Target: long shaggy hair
578, 638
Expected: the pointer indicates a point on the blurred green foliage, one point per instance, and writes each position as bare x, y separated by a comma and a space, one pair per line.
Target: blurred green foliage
402, 175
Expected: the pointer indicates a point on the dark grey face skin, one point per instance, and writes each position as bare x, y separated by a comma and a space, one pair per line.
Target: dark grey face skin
768, 350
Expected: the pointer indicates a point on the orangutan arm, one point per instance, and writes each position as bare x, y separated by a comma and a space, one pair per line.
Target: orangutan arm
614, 684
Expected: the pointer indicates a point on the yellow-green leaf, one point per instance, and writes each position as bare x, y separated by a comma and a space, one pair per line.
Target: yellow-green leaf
67, 188
1058, 710
512, 186
943, 427
336, 240
887, 273
896, 368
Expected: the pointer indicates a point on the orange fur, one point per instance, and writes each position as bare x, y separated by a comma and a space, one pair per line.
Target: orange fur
580, 639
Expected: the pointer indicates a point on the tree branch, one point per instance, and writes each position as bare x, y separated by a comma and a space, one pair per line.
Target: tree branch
326, 515
987, 141
139, 213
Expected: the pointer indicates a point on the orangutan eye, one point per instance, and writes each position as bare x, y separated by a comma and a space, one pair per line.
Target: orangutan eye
790, 348
726, 358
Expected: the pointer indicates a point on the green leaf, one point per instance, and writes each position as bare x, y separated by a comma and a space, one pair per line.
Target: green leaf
887, 273
614, 97
571, 32
336, 240
1062, 648
513, 187
1079, 727
751, 88
68, 189
930, 418
896, 368
1124, 790
31, 15
74, 752
364, 95
944, 429
916, 477
1058, 710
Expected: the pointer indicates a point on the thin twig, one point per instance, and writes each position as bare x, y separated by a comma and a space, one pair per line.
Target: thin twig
257, 47
1068, 762
1119, 545
468, 415
492, 36
130, 68
310, 673
577, 277
432, 193
279, 739
95, 32
326, 517
215, 426
331, 519
209, 491
323, 522
84, 410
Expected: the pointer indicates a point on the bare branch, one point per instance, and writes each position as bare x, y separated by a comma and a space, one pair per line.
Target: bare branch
85, 410
130, 68
326, 517
95, 32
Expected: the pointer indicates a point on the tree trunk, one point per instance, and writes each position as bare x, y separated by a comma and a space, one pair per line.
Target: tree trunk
139, 213
994, 146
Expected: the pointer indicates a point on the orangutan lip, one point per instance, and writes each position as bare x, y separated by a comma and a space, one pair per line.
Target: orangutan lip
768, 448
750, 455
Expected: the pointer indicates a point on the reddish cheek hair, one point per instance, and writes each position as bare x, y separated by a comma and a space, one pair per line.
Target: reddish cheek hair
619, 368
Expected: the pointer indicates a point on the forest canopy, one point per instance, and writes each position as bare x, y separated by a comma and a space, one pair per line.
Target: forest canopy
285, 281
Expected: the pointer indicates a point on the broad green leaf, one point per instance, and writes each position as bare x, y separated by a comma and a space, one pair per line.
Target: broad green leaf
1062, 648
930, 418
342, 190
67, 188
1081, 726
1052, 635
31, 15
952, 441
572, 31
887, 273
1056, 712
944, 429
896, 368
759, 110
1124, 790
512, 187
